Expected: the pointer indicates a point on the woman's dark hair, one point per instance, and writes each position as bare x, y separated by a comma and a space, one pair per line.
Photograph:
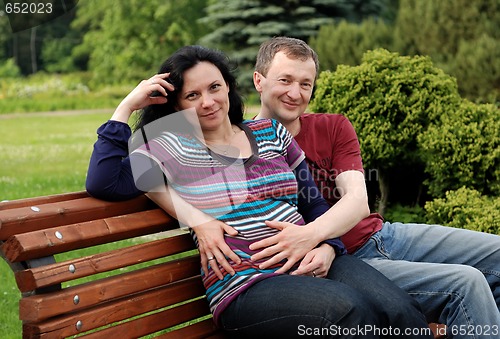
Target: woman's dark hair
182, 60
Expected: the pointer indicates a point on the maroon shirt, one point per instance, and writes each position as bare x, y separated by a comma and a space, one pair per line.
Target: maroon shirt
332, 147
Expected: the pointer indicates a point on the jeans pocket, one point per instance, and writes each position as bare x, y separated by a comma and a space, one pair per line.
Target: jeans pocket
379, 243
373, 248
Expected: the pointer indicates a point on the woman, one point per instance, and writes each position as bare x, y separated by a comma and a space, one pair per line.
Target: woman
227, 171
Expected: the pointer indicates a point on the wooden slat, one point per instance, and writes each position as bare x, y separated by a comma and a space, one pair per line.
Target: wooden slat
46, 242
26, 219
115, 311
39, 307
27, 202
202, 329
31, 279
159, 321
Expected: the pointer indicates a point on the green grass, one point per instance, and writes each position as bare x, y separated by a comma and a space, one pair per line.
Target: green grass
45, 154
40, 155
48, 92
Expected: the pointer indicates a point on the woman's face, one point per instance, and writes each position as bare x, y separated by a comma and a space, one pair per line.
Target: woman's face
206, 91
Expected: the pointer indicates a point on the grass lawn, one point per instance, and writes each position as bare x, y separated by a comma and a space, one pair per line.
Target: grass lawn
40, 154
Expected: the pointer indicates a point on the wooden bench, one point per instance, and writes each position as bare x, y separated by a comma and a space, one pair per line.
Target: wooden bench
104, 293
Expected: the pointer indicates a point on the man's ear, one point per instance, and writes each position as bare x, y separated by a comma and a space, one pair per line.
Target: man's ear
257, 78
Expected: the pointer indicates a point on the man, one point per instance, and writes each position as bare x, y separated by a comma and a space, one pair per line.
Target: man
454, 274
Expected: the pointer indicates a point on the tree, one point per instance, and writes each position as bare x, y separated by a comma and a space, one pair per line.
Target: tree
477, 68
440, 29
240, 26
390, 99
122, 48
345, 42
5, 35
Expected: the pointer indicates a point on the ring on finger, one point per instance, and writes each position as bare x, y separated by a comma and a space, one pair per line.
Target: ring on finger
152, 82
314, 274
210, 258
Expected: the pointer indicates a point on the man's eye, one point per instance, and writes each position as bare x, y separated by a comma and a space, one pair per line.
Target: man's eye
285, 81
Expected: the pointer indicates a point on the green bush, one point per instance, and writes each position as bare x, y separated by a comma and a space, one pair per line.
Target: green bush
466, 208
9, 69
463, 149
344, 43
405, 214
389, 99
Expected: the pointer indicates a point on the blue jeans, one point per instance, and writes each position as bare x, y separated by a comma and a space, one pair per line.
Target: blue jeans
354, 301
453, 273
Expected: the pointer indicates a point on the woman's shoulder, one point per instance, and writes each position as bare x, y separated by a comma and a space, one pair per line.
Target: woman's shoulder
262, 124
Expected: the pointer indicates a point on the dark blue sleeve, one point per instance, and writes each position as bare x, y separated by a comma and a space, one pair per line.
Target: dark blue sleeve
109, 176
311, 203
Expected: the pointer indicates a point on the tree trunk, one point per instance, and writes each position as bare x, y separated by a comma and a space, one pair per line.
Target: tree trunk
34, 66
384, 193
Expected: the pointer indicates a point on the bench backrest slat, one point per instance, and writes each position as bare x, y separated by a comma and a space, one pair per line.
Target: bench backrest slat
65, 238
33, 218
119, 310
31, 279
39, 307
157, 321
48, 199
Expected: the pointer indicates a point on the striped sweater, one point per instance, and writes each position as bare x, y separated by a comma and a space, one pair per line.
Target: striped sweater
243, 193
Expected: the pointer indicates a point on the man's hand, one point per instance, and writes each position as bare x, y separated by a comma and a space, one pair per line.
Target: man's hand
317, 262
292, 244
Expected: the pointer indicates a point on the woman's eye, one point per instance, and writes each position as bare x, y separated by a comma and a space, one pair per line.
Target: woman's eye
215, 86
191, 96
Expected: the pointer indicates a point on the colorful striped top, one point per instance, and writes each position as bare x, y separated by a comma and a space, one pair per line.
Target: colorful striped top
243, 193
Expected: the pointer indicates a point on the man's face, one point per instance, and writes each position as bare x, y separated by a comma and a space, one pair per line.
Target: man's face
287, 88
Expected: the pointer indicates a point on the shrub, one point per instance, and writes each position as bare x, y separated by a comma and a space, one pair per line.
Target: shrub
466, 208
463, 149
9, 69
390, 99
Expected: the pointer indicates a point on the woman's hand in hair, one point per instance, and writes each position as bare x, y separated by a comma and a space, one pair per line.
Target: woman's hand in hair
153, 91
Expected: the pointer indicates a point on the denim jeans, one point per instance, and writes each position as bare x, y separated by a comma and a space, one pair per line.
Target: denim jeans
354, 301
453, 273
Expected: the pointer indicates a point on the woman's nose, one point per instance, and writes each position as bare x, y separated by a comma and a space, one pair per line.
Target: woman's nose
207, 101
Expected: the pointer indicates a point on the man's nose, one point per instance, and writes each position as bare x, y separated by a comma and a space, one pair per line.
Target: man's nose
294, 90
